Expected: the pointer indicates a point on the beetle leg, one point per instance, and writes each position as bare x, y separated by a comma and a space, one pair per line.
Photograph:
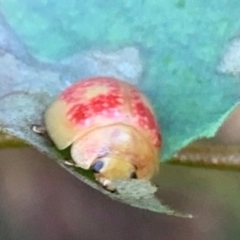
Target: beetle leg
39, 129
106, 183
70, 163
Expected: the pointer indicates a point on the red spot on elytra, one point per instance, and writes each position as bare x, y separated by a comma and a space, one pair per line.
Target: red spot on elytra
100, 105
147, 120
146, 117
120, 102
79, 113
105, 102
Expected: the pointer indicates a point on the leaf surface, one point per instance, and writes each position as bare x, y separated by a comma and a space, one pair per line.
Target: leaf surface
170, 49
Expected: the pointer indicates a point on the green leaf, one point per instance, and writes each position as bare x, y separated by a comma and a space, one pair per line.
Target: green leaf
170, 49
25, 92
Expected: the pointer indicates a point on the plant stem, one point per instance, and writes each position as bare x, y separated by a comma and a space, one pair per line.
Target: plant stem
210, 154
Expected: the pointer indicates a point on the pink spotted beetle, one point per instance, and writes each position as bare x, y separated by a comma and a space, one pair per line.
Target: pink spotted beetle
110, 126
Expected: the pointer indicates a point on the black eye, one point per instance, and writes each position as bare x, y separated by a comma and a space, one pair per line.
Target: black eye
133, 175
97, 166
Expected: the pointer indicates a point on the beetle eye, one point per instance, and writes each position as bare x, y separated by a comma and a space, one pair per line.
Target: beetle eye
133, 175
97, 166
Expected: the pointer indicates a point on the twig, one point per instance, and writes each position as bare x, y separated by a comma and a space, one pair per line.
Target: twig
206, 153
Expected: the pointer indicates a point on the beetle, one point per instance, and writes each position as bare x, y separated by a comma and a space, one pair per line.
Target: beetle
110, 126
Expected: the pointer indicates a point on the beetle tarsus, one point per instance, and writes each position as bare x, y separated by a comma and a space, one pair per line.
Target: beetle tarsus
70, 163
39, 129
106, 183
